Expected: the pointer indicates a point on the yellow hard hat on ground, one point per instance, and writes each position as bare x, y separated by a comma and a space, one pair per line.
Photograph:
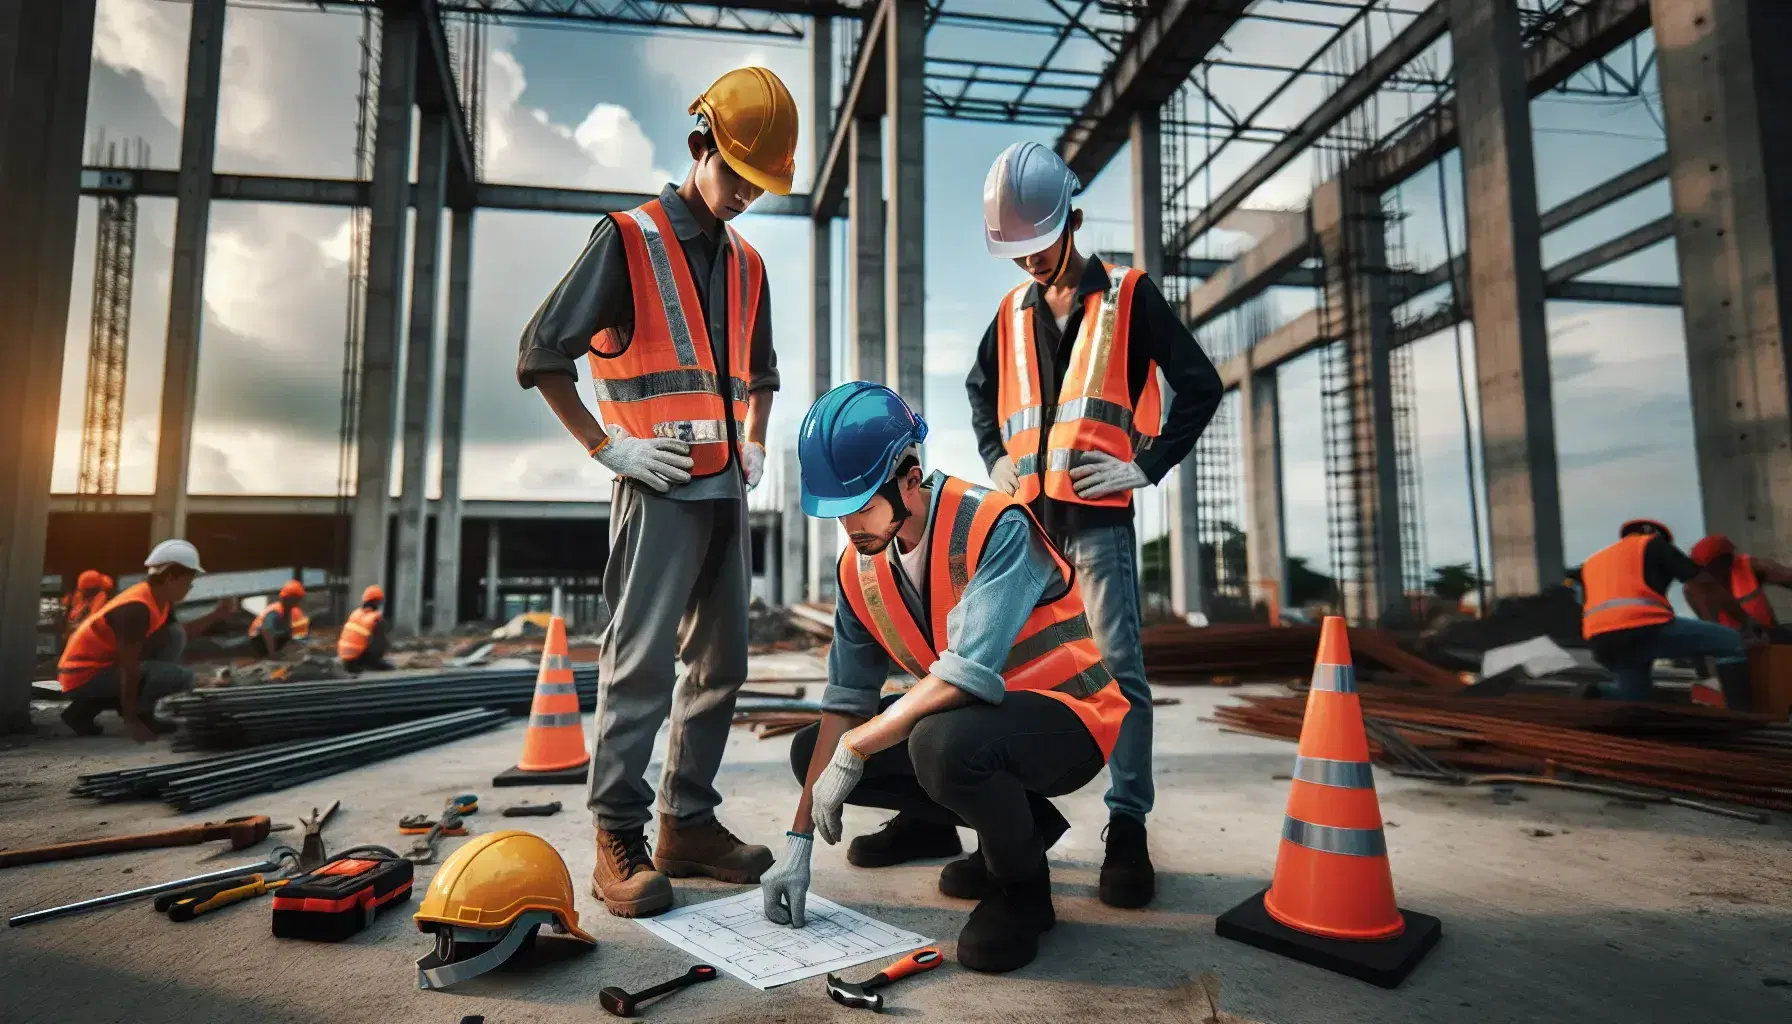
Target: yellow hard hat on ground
488, 900
754, 122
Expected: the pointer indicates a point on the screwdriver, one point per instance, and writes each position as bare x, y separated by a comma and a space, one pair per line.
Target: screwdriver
190, 903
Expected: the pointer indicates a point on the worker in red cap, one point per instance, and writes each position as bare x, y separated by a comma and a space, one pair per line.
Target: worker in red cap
1747, 577
362, 643
1628, 622
89, 596
282, 622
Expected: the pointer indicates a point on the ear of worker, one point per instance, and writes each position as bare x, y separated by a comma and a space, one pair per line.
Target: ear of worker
1331, 902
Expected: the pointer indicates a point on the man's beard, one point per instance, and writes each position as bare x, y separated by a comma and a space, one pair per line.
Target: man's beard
872, 543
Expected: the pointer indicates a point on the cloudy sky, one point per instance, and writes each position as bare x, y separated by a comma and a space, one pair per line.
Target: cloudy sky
574, 107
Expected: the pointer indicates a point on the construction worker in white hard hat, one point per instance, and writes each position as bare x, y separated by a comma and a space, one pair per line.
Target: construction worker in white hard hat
128, 654
1066, 407
671, 307
488, 900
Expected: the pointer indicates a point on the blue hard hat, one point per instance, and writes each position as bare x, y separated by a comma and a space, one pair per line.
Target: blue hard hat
850, 442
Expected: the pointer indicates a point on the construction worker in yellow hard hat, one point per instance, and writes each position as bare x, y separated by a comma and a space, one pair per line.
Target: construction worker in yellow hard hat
671, 305
488, 899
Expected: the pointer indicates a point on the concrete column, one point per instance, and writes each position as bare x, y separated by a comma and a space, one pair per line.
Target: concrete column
905, 149
795, 533
492, 542
1260, 417
821, 297
1188, 592
1506, 287
1724, 76
865, 233
45, 52
454, 402
385, 307
419, 373
186, 290
1148, 195
1353, 241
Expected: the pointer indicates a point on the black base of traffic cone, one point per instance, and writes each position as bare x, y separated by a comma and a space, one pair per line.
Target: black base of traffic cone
1385, 963
563, 777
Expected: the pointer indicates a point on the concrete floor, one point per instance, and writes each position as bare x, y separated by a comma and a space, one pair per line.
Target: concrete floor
1620, 914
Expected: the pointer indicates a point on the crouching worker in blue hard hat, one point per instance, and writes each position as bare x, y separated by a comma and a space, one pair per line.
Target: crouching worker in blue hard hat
960, 586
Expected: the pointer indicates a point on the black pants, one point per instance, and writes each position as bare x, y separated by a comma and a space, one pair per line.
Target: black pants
373, 659
987, 767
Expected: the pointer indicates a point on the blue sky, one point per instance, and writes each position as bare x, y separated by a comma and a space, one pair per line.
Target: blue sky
607, 110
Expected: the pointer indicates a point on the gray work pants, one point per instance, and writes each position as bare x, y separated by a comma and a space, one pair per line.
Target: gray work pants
678, 582
160, 674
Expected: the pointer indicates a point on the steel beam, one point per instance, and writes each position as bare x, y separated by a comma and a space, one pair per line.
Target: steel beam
1603, 195
263, 188
186, 292
1412, 41
45, 57
1627, 244
1270, 260
406, 607
1171, 38
390, 194
454, 404
864, 97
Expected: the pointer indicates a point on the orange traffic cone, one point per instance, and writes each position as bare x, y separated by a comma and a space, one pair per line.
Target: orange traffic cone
1331, 903
554, 749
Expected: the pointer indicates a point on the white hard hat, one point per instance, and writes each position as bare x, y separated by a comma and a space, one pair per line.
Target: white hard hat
1026, 200
174, 552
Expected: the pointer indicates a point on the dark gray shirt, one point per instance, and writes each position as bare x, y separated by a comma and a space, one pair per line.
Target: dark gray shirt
595, 295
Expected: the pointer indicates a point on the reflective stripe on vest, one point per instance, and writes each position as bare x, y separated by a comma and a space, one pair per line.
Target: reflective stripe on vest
1094, 410
1745, 586
1617, 595
665, 381
94, 647
1055, 649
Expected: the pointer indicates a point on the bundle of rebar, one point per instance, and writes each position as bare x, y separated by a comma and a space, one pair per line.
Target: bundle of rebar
209, 781
1180, 654
231, 718
1701, 752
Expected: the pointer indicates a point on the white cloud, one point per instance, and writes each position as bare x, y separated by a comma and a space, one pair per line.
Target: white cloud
150, 39
950, 352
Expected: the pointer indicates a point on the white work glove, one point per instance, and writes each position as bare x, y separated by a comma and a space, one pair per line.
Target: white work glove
1004, 475
786, 885
658, 462
752, 462
1101, 475
837, 781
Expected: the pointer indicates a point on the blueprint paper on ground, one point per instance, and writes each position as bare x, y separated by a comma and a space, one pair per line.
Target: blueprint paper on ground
733, 935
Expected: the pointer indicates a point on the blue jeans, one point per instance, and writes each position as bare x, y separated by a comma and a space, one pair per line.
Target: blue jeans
1107, 572
1681, 638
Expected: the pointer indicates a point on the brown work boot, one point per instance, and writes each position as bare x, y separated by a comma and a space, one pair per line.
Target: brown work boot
710, 850
625, 878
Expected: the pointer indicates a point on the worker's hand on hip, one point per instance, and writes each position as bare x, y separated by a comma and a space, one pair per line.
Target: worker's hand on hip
1101, 475
832, 787
1004, 475
786, 884
752, 462
658, 462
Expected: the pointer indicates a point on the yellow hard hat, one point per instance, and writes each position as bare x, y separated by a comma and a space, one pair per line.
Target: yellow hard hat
754, 121
487, 900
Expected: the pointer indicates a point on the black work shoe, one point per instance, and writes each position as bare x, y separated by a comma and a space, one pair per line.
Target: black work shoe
1003, 932
904, 838
966, 878
79, 716
1127, 879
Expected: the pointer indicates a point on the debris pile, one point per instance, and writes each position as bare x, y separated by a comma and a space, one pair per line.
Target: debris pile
1696, 751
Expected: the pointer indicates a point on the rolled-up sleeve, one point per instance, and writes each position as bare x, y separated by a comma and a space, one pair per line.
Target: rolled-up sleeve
857, 666
593, 296
1013, 575
762, 359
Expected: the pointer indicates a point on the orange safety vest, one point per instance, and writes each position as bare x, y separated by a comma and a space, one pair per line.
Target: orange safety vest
1055, 652
664, 382
1094, 410
356, 633
298, 624
1746, 587
94, 646
1616, 595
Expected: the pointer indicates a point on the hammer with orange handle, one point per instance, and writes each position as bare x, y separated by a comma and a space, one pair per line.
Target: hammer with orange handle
862, 996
